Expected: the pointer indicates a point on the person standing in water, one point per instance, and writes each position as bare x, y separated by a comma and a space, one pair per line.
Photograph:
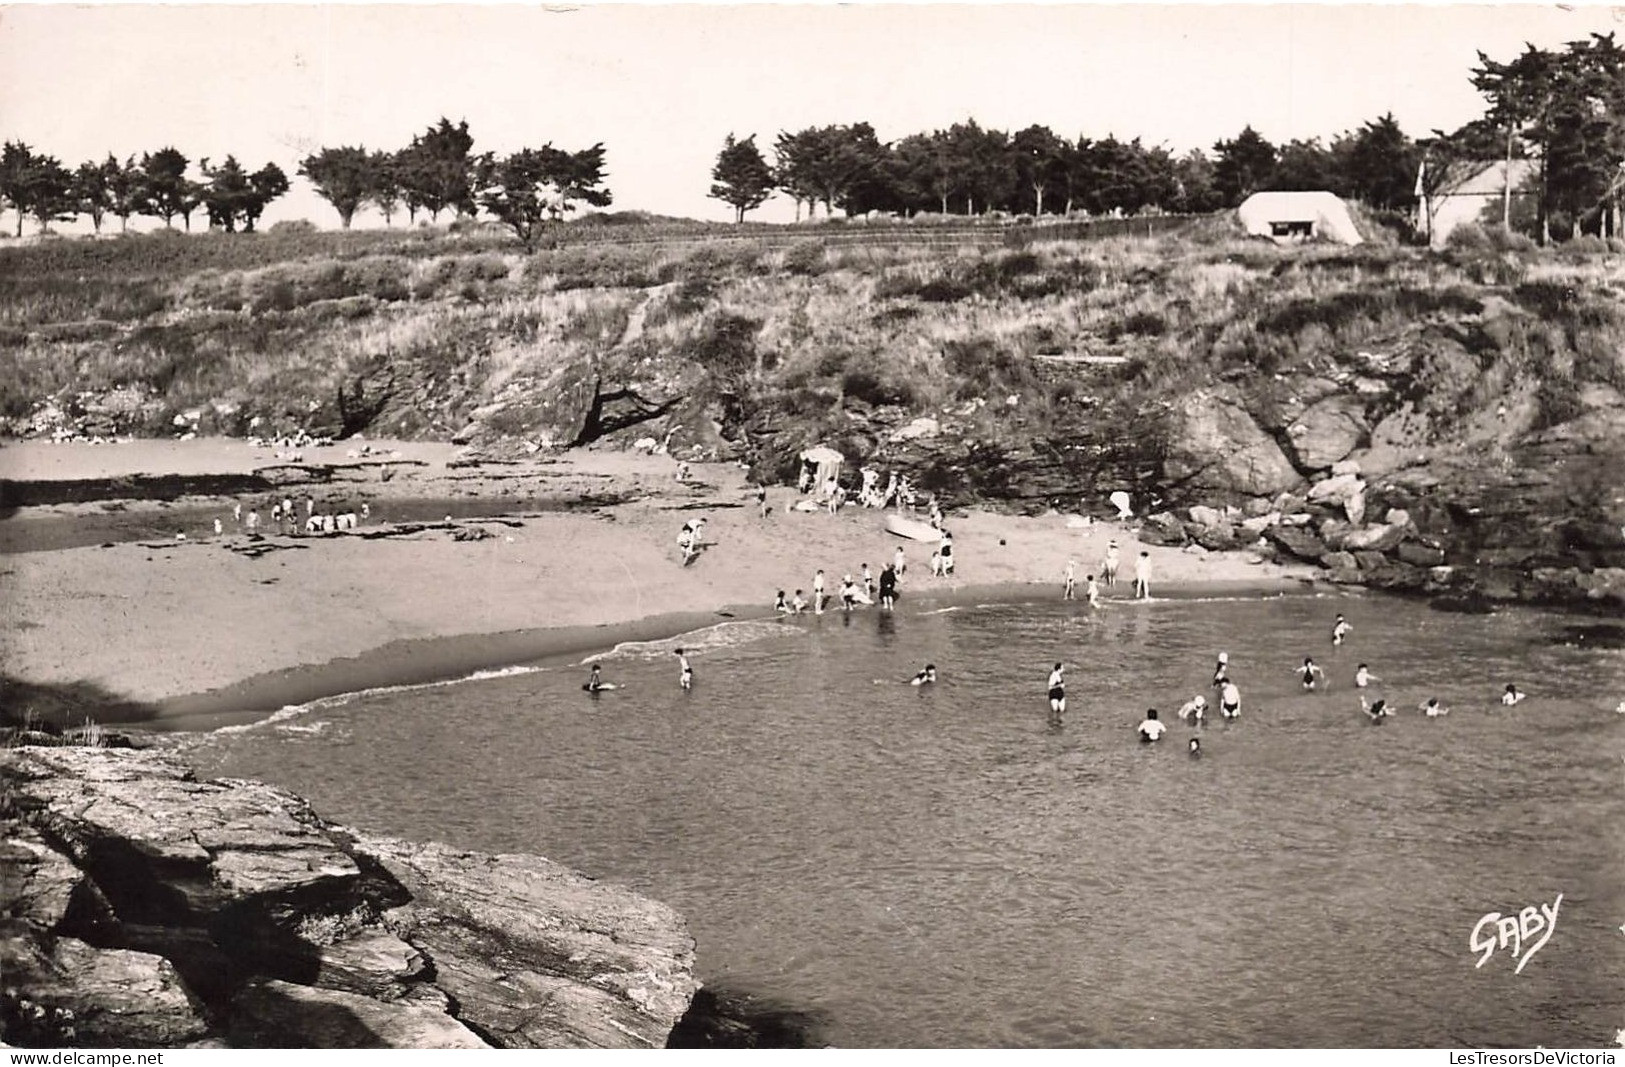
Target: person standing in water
1221, 670
1091, 591
1142, 577
1431, 708
888, 586
1150, 729
818, 593
1230, 700
686, 679
1309, 673
1363, 677
1195, 748
1069, 591
1108, 567
868, 582
1057, 690
1340, 630
899, 562
1194, 709
1513, 695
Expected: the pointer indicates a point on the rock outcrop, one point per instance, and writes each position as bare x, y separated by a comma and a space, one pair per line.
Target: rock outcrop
145, 907
1216, 446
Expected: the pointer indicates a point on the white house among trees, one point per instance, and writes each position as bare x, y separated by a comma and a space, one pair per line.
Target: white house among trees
1471, 190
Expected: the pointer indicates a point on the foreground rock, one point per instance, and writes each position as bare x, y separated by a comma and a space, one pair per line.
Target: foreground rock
146, 908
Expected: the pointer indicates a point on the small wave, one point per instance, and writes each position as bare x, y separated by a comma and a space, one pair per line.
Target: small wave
951, 607
303, 728
708, 639
279, 718
281, 715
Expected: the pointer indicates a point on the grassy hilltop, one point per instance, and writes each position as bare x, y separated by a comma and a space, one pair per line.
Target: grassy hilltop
1051, 372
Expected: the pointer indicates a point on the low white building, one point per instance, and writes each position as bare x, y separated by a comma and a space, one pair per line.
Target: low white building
1295, 216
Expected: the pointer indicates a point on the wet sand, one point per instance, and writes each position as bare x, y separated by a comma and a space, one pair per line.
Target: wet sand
198, 629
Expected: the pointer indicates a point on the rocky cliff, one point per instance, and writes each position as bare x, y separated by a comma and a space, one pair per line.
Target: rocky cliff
144, 907
1480, 391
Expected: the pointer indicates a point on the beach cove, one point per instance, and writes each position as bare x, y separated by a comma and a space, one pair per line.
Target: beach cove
867, 863
161, 623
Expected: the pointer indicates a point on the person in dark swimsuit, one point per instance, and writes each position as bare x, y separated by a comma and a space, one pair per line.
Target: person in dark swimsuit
1057, 690
1309, 672
595, 682
888, 585
926, 676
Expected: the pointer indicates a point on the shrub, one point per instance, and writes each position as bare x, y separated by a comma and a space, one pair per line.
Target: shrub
293, 228
804, 258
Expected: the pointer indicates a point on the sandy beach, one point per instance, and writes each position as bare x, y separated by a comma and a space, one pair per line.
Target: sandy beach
198, 626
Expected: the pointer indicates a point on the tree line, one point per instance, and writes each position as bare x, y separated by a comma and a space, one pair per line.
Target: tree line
39, 186
970, 170
1563, 109
438, 172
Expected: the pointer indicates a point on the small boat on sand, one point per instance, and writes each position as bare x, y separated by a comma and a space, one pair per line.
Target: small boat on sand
913, 529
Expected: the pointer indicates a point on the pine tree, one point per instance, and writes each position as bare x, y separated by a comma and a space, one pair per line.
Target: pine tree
741, 176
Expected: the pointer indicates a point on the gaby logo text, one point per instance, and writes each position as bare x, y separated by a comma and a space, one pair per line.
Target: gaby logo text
1525, 933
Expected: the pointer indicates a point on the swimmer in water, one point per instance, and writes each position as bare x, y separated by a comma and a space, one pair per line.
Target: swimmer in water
1340, 630
1221, 670
1195, 748
1194, 709
1230, 700
1363, 677
1057, 690
595, 683
1513, 695
1151, 729
686, 680
1091, 590
1430, 707
1375, 712
926, 676
1309, 672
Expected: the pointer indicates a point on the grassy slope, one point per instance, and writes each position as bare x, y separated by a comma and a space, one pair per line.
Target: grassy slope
418, 332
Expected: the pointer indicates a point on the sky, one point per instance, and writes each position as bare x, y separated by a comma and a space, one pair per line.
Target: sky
662, 85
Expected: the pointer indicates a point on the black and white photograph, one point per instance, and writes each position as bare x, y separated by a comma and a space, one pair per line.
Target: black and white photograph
784, 526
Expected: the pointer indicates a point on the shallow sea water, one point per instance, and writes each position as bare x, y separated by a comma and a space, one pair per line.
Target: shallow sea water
947, 866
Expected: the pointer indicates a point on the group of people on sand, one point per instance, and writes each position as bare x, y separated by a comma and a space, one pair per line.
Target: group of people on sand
689, 539
864, 590
285, 518
1108, 574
